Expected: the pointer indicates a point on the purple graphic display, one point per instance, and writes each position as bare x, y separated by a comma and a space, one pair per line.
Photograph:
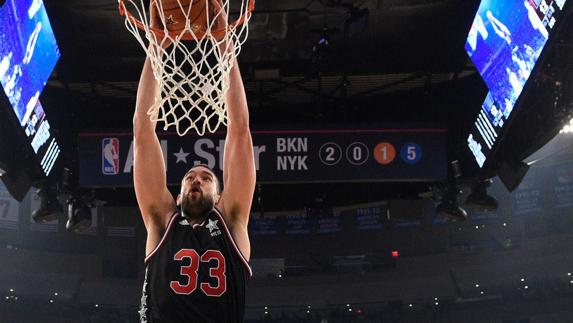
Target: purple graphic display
28, 55
504, 43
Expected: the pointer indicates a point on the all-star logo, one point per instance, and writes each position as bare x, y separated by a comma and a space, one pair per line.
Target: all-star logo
213, 228
169, 20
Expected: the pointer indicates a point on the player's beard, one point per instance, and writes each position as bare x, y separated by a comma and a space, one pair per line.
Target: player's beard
199, 208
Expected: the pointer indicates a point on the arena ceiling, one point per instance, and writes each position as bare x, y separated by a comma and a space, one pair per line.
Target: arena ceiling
388, 62
378, 49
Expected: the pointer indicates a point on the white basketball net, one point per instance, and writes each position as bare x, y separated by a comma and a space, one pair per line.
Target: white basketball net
193, 73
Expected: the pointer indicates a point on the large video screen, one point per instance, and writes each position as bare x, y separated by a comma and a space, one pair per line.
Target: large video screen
28, 55
504, 43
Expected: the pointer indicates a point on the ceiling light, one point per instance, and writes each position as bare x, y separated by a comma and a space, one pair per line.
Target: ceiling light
50, 208
449, 209
79, 215
479, 200
568, 127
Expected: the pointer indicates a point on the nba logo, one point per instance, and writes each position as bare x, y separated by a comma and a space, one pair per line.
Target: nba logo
110, 156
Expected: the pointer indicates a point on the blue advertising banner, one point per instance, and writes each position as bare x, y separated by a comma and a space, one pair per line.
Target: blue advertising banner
370, 218
527, 196
297, 224
562, 180
263, 226
106, 159
328, 225
9, 209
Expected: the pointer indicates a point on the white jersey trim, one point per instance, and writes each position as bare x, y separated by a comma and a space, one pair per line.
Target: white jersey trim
245, 262
169, 225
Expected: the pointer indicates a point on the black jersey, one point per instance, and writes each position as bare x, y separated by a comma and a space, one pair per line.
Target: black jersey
195, 274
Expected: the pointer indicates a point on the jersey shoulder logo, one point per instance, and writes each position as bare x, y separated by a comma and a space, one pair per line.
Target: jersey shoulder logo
213, 228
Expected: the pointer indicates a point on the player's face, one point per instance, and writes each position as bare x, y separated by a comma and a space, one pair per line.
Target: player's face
198, 192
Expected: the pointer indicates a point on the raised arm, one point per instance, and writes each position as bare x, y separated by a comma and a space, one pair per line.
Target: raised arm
239, 174
154, 199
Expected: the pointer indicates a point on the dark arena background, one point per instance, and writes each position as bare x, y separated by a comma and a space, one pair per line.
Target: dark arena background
415, 161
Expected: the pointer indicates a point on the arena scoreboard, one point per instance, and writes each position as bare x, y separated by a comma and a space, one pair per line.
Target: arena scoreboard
281, 156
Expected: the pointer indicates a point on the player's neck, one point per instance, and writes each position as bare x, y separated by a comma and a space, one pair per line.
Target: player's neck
195, 217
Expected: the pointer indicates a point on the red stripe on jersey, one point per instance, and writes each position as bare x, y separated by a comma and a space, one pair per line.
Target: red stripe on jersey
245, 262
162, 238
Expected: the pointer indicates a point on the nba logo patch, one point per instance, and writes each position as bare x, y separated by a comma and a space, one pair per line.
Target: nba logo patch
110, 156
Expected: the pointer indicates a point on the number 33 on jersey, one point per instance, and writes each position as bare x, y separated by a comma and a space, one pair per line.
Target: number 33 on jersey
190, 271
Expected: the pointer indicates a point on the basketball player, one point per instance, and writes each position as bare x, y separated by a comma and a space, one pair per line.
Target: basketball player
197, 247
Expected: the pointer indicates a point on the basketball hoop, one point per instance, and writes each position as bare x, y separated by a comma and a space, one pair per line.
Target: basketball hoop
192, 48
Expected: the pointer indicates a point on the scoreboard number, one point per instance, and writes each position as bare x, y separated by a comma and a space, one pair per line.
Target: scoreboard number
411, 153
330, 153
384, 153
357, 153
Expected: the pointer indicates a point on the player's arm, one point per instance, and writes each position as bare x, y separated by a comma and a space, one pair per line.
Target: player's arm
499, 28
239, 174
154, 199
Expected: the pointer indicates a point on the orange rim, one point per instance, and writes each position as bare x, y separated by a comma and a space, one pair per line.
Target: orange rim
160, 33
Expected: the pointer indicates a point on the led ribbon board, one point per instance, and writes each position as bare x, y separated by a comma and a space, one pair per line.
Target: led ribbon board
281, 156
